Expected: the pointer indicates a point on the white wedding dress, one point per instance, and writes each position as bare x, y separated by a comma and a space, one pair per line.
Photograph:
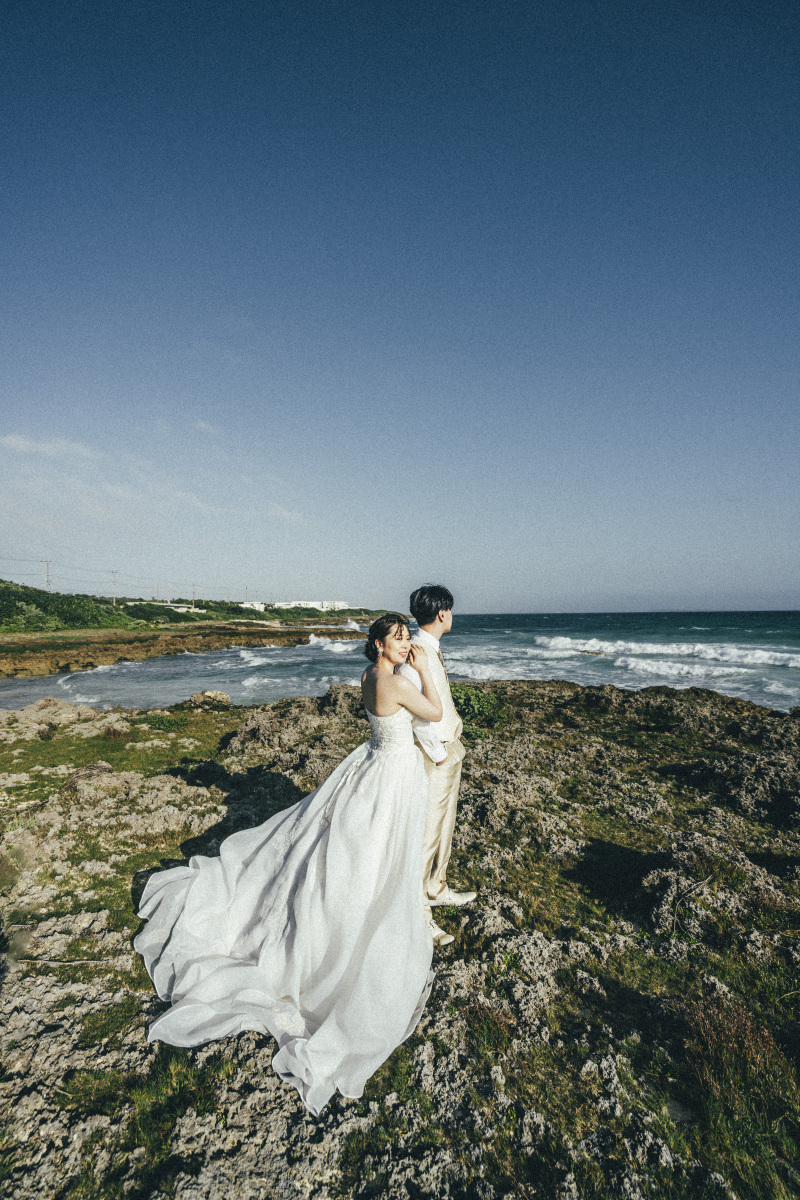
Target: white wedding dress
310, 927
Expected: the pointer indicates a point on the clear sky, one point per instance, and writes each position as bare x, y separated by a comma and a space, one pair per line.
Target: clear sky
329, 299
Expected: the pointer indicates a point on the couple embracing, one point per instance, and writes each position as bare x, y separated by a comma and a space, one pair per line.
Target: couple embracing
317, 926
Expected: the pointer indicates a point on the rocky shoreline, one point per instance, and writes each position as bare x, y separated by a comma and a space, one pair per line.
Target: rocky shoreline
618, 1013
26, 656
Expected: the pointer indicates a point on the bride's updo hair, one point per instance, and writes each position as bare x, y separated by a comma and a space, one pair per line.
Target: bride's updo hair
379, 631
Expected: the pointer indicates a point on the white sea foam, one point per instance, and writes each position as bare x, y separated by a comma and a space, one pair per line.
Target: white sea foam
478, 672
510, 668
780, 689
550, 654
262, 681
710, 651
251, 659
333, 647
674, 670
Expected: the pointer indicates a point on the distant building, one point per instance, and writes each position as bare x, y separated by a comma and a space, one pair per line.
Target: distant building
256, 604
167, 604
322, 605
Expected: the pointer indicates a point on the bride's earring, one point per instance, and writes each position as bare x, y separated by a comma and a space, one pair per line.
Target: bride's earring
380, 656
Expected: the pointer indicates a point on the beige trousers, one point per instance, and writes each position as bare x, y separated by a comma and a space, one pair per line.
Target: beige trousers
444, 782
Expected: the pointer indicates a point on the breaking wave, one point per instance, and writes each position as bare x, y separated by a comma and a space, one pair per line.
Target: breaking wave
780, 689
252, 660
333, 647
674, 670
748, 656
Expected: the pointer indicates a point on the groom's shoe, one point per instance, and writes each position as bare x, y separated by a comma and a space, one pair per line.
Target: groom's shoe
440, 936
448, 896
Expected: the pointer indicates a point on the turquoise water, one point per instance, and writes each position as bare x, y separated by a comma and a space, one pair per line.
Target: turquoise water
753, 655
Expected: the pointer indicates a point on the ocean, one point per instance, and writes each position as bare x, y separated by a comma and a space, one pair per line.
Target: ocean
752, 655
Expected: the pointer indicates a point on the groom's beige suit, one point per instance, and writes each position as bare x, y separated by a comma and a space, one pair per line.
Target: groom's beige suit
442, 754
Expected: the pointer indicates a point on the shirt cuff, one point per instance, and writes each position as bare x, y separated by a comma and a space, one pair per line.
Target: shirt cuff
433, 747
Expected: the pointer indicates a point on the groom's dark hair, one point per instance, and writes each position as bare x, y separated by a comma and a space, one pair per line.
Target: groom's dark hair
428, 601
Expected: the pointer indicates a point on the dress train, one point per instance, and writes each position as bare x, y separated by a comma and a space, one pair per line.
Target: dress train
310, 927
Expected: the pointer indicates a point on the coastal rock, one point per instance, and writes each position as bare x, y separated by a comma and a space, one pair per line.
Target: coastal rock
767, 786
704, 876
42, 719
209, 699
615, 895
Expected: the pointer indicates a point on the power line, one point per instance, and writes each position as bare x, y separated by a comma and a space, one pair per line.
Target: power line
67, 577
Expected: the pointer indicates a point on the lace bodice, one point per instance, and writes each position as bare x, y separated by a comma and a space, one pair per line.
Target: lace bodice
394, 733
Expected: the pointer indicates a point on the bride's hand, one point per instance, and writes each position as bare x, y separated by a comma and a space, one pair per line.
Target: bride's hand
418, 658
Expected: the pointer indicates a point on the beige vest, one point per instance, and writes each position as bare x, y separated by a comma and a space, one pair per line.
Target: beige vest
451, 725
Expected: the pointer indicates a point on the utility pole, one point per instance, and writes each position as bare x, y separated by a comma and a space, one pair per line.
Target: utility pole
114, 598
158, 581
194, 585
46, 562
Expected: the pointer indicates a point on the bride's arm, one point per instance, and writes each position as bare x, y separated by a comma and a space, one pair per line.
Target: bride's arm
425, 704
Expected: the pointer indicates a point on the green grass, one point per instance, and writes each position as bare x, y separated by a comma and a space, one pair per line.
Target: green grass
157, 1101
8, 1154
748, 1096
111, 1025
207, 728
392, 1123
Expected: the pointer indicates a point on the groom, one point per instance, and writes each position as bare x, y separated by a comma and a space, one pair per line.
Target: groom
442, 752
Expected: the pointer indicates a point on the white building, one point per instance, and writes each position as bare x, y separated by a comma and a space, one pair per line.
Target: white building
322, 605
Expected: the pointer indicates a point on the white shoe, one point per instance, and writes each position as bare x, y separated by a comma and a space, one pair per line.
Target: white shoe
440, 936
448, 896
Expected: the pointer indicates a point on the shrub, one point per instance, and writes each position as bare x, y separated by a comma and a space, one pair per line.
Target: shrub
166, 722
476, 707
67, 610
29, 618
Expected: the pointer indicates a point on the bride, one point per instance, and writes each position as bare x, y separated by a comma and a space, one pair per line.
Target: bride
311, 927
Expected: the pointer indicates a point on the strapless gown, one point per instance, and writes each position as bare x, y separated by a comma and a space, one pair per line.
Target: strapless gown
310, 927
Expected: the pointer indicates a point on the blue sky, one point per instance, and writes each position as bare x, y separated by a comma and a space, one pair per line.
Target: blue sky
333, 299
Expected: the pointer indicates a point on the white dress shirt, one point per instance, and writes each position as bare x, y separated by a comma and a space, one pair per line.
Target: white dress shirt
425, 732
